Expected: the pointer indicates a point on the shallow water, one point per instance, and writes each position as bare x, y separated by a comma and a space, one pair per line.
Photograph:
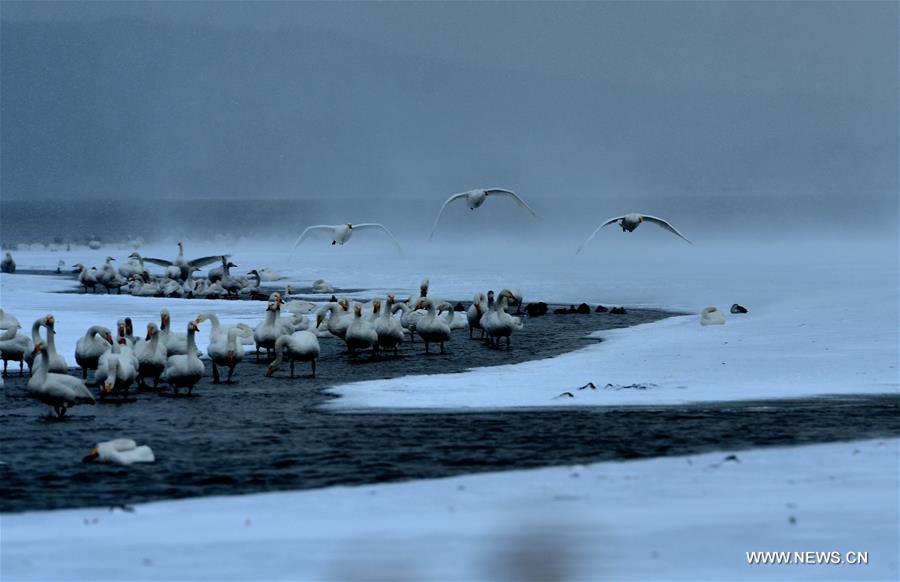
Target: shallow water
263, 434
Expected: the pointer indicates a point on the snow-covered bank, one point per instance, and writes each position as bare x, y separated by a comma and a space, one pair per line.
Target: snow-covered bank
669, 518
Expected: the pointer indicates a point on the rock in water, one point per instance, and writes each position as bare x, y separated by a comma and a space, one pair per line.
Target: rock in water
584, 309
601, 309
736, 308
618, 311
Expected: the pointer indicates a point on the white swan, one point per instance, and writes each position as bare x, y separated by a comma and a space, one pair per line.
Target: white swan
87, 278
88, 349
271, 328
475, 312
341, 233
120, 452
134, 266
7, 320
224, 349
117, 369
176, 343
629, 222
338, 318
475, 198
60, 391
360, 333
431, 328
141, 289
300, 346
322, 286
14, 346
185, 370
497, 323
182, 264
58, 363
712, 316
151, 355
109, 277
410, 317
388, 329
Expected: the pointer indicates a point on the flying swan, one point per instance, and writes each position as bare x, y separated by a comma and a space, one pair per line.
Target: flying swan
629, 222
341, 233
475, 198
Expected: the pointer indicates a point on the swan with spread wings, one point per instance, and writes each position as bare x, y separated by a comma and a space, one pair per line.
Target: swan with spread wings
182, 264
631, 221
475, 198
341, 233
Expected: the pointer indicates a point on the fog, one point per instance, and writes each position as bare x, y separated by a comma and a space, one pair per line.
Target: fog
753, 117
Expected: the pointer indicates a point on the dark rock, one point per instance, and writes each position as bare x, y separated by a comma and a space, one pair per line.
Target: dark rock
618, 311
459, 307
537, 309
738, 308
601, 309
333, 299
571, 310
584, 309
560, 311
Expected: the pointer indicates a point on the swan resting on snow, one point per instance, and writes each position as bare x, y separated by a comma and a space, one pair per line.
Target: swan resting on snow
120, 452
712, 316
341, 233
629, 222
475, 198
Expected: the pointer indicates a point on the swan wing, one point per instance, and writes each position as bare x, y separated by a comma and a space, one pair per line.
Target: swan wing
446, 202
371, 225
160, 262
662, 223
310, 229
596, 230
513, 195
203, 261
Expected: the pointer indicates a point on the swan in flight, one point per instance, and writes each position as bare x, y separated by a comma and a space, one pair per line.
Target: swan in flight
183, 264
475, 198
341, 233
300, 346
629, 222
120, 452
60, 391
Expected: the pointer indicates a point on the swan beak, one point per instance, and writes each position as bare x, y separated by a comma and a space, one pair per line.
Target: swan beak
318, 320
92, 456
109, 338
198, 321
334, 242
37, 348
149, 335
107, 388
269, 372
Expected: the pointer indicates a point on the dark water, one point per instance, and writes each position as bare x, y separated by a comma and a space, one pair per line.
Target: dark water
266, 434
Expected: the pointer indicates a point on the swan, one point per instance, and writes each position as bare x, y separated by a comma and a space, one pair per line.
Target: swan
423, 292
120, 452
322, 286
475, 312
90, 347
270, 274
8, 265
117, 369
300, 346
14, 346
341, 233
388, 329
712, 316
497, 323
176, 343
7, 320
232, 285
453, 321
87, 278
216, 273
475, 198
338, 318
151, 355
252, 287
431, 328
60, 391
184, 370
58, 363
360, 333
141, 289
183, 264
410, 317
266, 332
109, 277
629, 222
133, 266
223, 348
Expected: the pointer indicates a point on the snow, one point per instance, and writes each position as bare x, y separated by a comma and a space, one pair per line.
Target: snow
823, 316
667, 518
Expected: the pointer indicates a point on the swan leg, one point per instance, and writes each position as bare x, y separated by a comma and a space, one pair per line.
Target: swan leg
257, 352
230, 374
442, 347
426, 347
83, 373
292, 368
21, 367
314, 368
215, 373
5, 364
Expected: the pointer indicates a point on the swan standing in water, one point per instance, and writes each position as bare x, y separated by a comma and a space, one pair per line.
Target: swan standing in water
300, 346
431, 328
60, 391
629, 222
341, 233
181, 264
338, 318
185, 370
90, 347
87, 278
117, 370
475, 312
58, 363
151, 355
360, 333
224, 348
14, 346
497, 323
8, 265
176, 343
120, 452
388, 329
475, 198
271, 328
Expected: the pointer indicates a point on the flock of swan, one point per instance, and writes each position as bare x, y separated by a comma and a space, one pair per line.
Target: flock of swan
122, 360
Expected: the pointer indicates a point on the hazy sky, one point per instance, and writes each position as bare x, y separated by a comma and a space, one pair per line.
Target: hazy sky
412, 99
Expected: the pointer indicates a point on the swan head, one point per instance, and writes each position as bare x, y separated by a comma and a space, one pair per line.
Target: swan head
345, 305
192, 327
349, 226
92, 456
357, 311
376, 306
129, 327
152, 330
38, 348
289, 290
